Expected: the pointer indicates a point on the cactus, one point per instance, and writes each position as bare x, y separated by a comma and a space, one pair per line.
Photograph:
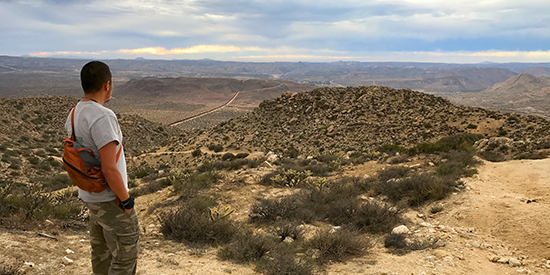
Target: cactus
219, 212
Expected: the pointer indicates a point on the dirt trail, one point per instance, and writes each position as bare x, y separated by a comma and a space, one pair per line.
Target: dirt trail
503, 212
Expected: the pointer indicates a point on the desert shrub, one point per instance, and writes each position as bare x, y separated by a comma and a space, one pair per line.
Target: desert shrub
31, 202
458, 164
283, 260
196, 153
187, 224
319, 169
471, 126
215, 147
140, 171
391, 149
326, 158
206, 166
393, 173
196, 181
416, 189
228, 156
289, 208
455, 142
11, 153
234, 164
10, 270
15, 166
374, 217
3, 147
338, 244
58, 182
290, 178
44, 166
241, 155
33, 160
247, 247
532, 155
41, 153
284, 229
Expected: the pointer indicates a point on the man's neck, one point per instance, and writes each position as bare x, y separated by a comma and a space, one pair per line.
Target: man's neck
94, 97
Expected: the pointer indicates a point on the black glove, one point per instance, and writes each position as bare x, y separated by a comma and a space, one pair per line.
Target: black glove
127, 204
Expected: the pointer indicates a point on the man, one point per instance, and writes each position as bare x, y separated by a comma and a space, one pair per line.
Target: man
114, 228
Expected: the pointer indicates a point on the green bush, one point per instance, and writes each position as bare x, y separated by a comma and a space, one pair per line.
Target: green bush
241, 155
391, 149
247, 247
283, 260
140, 171
416, 189
187, 224
459, 142
290, 178
338, 244
10, 270
196, 153
215, 147
228, 156
196, 181
58, 182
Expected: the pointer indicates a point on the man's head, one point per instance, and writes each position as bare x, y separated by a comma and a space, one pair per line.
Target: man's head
96, 76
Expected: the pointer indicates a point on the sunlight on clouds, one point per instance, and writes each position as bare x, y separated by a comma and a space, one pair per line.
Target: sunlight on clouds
194, 49
296, 57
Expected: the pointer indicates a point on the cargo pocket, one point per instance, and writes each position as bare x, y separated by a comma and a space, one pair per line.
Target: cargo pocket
127, 246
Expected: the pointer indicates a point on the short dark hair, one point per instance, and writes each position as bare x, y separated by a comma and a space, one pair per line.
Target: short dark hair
93, 75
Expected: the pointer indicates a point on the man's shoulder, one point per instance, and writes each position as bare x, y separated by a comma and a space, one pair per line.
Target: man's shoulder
96, 110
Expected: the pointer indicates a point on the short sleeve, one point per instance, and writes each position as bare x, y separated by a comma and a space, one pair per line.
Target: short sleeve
105, 130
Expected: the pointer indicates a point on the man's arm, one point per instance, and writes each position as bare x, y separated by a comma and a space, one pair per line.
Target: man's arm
110, 171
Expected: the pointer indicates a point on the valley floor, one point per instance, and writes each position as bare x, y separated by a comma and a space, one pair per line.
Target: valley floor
502, 215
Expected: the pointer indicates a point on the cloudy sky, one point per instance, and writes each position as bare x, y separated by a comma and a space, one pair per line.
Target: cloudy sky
461, 31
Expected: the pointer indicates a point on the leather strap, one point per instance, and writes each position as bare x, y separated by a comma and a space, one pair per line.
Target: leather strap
73, 136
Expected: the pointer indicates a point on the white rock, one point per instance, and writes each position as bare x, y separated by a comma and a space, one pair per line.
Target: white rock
426, 224
523, 271
494, 258
67, 261
513, 262
266, 164
29, 264
271, 157
402, 229
69, 251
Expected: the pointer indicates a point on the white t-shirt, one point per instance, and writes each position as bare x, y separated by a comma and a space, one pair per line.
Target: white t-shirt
95, 126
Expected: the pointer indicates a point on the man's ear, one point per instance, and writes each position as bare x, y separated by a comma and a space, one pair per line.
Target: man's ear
107, 85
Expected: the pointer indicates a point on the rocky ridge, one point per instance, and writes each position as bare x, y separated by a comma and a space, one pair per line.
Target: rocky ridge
337, 120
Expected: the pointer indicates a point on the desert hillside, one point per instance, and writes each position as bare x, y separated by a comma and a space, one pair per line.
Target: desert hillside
339, 120
524, 93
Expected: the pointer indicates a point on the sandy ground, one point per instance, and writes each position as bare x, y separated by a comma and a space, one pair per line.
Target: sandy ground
504, 212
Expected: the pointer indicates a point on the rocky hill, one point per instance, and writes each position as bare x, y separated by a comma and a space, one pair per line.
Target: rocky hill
337, 120
524, 93
32, 130
208, 90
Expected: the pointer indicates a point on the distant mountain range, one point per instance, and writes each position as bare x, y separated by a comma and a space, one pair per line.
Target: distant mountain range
24, 76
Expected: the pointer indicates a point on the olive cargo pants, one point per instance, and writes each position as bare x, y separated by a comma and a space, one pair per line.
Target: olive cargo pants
114, 236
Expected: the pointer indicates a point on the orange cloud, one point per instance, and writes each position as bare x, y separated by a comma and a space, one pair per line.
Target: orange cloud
194, 49
297, 56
